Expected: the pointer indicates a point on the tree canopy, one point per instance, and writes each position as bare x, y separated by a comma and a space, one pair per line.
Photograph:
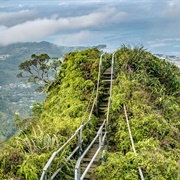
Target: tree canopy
40, 68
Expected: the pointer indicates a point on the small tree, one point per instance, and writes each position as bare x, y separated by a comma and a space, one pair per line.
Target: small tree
17, 120
37, 109
39, 69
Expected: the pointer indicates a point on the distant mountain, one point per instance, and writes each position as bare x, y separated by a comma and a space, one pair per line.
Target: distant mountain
16, 96
12, 55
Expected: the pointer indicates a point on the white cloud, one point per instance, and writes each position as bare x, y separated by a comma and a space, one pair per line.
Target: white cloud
62, 4
172, 9
170, 39
12, 18
105, 15
40, 28
20, 5
75, 39
163, 40
151, 42
158, 45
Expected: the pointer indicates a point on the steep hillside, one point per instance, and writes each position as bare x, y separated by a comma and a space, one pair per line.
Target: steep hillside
16, 96
150, 90
12, 55
55, 120
147, 86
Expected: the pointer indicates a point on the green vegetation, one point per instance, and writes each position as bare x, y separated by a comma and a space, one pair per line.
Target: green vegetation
40, 69
148, 86
150, 89
54, 121
16, 96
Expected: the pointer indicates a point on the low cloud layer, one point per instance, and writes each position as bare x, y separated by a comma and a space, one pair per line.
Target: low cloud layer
91, 22
172, 9
13, 18
75, 39
40, 28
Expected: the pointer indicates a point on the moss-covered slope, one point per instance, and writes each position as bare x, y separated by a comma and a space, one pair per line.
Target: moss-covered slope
53, 122
150, 89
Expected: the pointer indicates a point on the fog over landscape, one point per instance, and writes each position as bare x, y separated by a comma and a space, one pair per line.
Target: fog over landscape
30, 26
153, 24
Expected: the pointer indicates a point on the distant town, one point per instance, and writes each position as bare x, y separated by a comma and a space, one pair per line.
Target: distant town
173, 59
4, 56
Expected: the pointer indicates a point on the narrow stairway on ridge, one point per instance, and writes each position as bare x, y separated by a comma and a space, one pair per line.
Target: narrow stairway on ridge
103, 104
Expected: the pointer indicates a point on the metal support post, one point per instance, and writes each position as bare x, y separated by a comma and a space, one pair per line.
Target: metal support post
100, 139
77, 173
101, 145
80, 140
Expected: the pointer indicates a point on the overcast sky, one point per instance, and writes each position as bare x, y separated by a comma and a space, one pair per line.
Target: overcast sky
155, 24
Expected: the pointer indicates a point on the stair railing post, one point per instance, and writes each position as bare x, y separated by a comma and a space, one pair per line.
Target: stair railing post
101, 145
80, 140
77, 173
106, 129
109, 101
45, 177
100, 139
49, 174
99, 75
77, 169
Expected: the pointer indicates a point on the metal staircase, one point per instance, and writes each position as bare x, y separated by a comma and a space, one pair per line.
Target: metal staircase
98, 143
92, 156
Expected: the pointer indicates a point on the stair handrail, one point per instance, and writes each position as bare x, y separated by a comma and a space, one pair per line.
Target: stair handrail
88, 106
132, 141
77, 132
78, 175
110, 96
68, 141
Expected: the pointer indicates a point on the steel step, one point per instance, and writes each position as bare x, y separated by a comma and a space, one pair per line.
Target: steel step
103, 105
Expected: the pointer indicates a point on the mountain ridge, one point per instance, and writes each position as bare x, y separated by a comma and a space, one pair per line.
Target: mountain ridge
16, 96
